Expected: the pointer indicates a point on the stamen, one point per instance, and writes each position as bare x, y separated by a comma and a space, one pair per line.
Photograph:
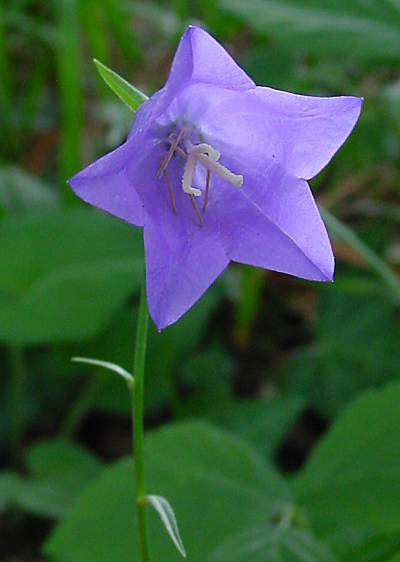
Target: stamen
204, 149
172, 148
181, 152
170, 192
188, 174
196, 209
224, 173
206, 194
205, 155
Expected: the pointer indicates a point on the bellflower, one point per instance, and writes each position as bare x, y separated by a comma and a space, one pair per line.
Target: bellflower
215, 169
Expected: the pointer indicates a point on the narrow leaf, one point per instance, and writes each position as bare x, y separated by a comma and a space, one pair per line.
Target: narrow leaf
106, 365
345, 234
130, 95
167, 516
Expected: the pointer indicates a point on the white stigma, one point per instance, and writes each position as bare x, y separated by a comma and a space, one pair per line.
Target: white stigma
208, 157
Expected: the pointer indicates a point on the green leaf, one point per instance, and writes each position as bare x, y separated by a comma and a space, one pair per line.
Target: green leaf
273, 544
369, 547
342, 232
10, 485
356, 346
350, 485
79, 267
217, 485
167, 516
57, 458
44, 498
106, 365
59, 470
264, 422
130, 95
367, 30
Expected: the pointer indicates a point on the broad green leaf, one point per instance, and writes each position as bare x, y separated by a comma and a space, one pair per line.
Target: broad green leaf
106, 365
60, 458
356, 346
207, 378
355, 28
58, 471
268, 543
44, 498
351, 482
342, 232
367, 546
168, 518
130, 95
218, 486
78, 267
264, 422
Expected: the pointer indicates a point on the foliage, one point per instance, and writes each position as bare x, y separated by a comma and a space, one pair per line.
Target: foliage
332, 510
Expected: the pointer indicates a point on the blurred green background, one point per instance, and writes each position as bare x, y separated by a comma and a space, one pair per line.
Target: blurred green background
270, 359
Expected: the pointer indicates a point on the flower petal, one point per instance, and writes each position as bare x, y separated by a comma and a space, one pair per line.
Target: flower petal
310, 128
183, 258
198, 59
201, 58
273, 222
301, 132
179, 268
106, 183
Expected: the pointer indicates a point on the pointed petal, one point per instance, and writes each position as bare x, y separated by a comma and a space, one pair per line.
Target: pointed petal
301, 132
310, 128
201, 58
107, 183
273, 222
179, 269
183, 258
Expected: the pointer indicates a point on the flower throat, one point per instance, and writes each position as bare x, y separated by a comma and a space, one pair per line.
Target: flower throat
194, 154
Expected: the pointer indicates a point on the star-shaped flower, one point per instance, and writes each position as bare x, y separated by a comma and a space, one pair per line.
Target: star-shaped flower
215, 170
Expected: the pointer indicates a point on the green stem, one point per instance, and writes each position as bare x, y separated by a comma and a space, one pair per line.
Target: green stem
18, 398
137, 392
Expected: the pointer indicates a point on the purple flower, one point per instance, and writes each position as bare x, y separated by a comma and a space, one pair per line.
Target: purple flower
215, 170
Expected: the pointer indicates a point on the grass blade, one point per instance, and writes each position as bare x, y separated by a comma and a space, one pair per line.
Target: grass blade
342, 232
70, 78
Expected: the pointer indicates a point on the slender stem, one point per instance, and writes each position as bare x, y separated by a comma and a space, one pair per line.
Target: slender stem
18, 400
137, 393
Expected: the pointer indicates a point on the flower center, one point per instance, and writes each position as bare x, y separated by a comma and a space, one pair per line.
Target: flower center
195, 154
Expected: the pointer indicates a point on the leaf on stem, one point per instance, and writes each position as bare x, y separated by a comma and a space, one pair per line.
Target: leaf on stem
167, 516
106, 365
130, 95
